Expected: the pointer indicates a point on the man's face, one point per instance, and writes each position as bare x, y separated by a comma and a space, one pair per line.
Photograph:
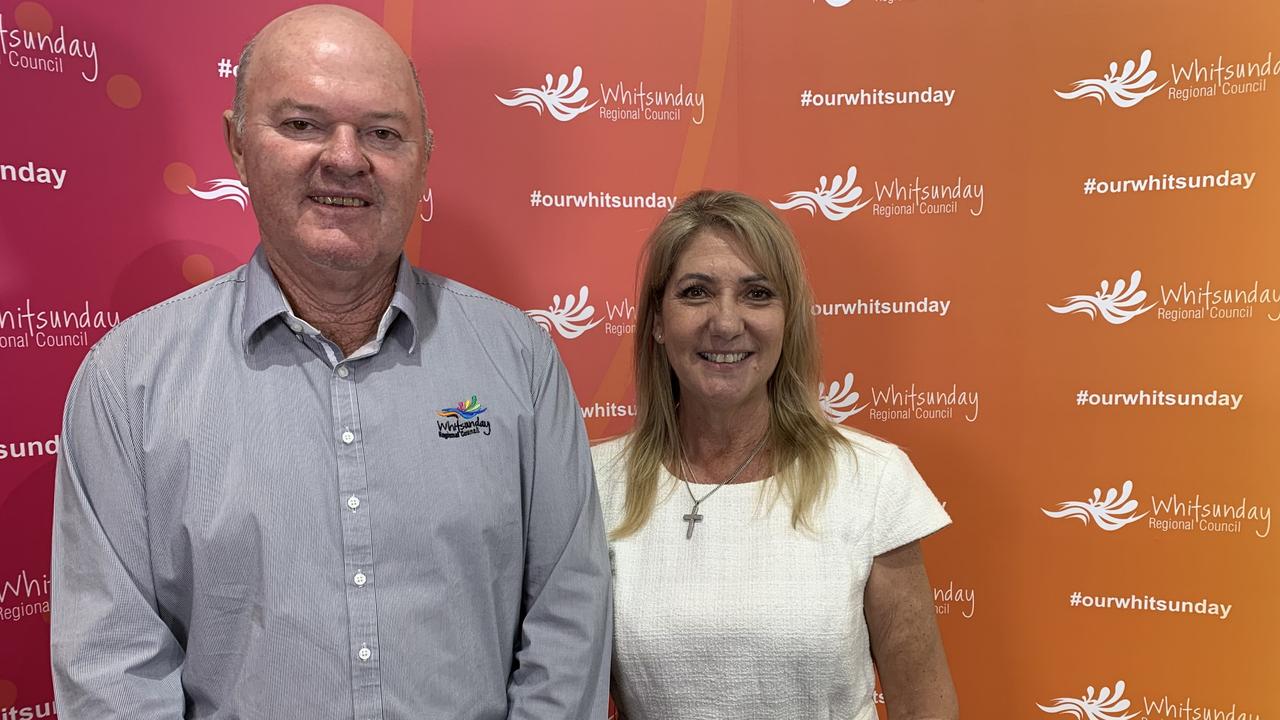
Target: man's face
332, 148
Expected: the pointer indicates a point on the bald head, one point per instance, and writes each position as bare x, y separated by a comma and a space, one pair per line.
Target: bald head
327, 27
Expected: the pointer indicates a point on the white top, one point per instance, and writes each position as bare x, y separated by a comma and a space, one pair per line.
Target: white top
750, 618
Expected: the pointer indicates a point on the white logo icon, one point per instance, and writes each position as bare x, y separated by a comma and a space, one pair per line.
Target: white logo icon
837, 3
431, 207
839, 400
1125, 88
571, 320
1110, 513
1108, 705
1117, 306
562, 100
836, 203
224, 189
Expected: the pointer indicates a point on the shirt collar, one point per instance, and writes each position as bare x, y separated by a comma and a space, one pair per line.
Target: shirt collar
264, 301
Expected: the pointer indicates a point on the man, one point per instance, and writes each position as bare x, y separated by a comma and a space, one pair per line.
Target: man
328, 485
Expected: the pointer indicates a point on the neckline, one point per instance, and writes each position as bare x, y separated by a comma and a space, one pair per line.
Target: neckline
678, 481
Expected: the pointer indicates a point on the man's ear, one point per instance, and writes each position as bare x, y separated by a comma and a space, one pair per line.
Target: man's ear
234, 146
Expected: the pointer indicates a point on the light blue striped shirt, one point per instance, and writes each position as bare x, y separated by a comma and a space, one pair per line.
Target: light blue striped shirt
249, 525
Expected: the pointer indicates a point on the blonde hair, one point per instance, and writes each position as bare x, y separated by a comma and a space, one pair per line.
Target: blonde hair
800, 438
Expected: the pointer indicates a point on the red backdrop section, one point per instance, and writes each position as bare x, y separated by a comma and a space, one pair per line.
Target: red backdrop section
1042, 239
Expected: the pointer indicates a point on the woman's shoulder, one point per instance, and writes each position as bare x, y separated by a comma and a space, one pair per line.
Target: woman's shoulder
609, 455
609, 458
865, 456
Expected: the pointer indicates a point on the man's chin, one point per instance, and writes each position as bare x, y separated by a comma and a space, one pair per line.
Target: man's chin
338, 254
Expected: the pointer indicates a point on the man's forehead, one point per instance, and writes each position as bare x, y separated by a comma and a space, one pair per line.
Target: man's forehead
291, 105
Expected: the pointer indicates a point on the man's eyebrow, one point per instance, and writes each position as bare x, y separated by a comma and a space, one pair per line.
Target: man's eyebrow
388, 115
291, 105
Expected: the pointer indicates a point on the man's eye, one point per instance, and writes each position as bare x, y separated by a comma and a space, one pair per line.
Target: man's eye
385, 134
297, 125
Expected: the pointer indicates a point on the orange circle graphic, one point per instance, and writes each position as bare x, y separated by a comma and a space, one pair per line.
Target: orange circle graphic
8, 692
197, 268
178, 176
124, 91
33, 17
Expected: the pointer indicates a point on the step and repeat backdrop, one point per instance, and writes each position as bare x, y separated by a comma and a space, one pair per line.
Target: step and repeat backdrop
1043, 239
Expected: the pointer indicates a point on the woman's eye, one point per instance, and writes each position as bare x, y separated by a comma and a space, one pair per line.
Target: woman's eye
694, 291
760, 293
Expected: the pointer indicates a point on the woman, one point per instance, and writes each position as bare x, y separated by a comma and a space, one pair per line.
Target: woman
762, 555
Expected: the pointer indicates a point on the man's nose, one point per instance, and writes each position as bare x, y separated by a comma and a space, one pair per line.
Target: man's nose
343, 152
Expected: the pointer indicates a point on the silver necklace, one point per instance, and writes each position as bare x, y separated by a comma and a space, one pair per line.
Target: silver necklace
694, 516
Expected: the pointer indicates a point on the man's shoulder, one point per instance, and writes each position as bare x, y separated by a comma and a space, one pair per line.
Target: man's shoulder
479, 307
177, 317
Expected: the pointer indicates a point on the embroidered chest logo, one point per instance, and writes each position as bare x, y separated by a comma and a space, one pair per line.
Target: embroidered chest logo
463, 420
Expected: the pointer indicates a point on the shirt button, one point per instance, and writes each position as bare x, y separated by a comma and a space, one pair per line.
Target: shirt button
353, 502
359, 579
295, 327
343, 371
348, 437
365, 653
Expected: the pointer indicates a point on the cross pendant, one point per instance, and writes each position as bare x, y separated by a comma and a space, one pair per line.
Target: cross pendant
691, 518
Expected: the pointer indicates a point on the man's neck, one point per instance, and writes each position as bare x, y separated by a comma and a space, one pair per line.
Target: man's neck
345, 307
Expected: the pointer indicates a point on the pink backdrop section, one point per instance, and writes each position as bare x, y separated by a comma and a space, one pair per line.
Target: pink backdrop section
141, 204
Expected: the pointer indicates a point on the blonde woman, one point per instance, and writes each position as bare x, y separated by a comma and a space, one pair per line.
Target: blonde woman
762, 556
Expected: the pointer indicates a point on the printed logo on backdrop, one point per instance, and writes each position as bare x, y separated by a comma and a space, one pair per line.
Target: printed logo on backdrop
839, 400
843, 3
32, 325
227, 68
565, 98
880, 306
23, 596
1168, 514
51, 52
894, 402
1171, 182
1111, 704
33, 174
430, 204
19, 449
1200, 299
1128, 85
572, 317
228, 189
843, 196
952, 600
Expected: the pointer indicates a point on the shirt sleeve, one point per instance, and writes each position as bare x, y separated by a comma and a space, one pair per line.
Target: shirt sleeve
905, 509
113, 656
562, 657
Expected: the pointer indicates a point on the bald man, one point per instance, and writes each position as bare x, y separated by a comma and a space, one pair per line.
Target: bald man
328, 484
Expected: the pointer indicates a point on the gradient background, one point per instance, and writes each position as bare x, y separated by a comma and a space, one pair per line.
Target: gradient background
125, 232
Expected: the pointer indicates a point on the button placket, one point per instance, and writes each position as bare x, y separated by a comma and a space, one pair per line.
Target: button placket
357, 537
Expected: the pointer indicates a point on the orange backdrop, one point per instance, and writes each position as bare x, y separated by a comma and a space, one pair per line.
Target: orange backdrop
1042, 238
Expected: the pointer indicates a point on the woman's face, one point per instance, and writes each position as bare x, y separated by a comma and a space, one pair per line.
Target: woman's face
721, 323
